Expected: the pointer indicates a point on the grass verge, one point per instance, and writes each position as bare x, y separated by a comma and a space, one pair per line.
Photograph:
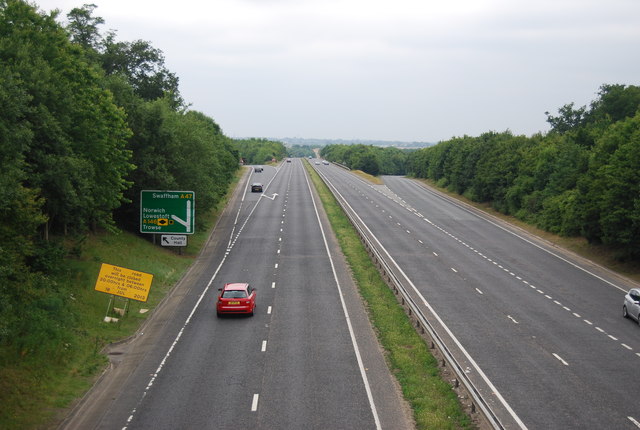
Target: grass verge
434, 403
36, 391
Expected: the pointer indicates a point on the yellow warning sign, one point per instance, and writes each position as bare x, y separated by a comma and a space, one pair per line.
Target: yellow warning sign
122, 282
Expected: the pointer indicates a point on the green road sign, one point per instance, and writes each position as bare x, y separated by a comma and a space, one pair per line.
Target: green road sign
167, 211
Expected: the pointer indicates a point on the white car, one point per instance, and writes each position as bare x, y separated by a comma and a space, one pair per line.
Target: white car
631, 306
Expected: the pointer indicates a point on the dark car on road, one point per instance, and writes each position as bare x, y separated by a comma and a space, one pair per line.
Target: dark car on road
256, 187
258, 169
631, 305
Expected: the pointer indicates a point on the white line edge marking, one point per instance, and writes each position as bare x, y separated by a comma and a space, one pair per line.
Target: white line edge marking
363, 373
254, 402
520, 237
485, 218
269, 310
560, 359
634, 421
437, 317
264, 346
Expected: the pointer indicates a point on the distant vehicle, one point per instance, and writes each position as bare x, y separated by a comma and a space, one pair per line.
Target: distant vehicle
317, 163
631, 305
258, 169
310, 157
288, 160
236, 298
256, 187
325, 162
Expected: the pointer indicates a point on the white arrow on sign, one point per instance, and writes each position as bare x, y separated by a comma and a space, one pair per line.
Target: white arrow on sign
173, 240
272, 198
186, 223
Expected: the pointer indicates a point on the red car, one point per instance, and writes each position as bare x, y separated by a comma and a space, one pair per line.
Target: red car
236, 298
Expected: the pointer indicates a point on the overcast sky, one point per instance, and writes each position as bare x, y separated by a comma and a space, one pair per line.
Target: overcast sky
408, 70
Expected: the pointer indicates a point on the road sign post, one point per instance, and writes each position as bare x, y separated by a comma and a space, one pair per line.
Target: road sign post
167, 211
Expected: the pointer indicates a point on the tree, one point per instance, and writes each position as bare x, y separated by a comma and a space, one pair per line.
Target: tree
615, 103
77, 157
143, 66
175, 151
568, 118
258, 151
367, 162
612, 199
83, 27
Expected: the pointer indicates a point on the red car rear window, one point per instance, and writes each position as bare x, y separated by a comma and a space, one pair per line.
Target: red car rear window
234, 294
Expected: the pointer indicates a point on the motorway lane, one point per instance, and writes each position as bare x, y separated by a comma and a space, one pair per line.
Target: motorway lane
292, 365
531, 312
289, 366
308, 345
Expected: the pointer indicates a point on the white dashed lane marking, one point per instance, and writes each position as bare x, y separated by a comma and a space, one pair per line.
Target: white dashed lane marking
396, 199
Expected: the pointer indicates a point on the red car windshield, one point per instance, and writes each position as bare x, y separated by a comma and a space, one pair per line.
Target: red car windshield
234, 294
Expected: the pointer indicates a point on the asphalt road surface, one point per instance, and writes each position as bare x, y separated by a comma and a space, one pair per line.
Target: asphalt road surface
307, 358
540, 330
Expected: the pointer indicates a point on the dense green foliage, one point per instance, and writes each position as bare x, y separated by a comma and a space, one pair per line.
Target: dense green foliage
259, 151
86, 123
374, 160
581, 178
300, 151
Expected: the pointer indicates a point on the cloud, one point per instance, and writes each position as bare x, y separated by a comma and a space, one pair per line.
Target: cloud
397, 70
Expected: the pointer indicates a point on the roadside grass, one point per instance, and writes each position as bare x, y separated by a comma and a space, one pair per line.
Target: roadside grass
37, 392
434, 403
367, 177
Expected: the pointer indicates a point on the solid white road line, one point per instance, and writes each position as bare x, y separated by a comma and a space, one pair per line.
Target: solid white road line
433, 312
363, 373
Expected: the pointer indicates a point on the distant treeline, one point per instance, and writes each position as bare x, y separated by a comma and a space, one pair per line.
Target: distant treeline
580, 179
259, 151
87, 121
374, 160
319, 143
300, 151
